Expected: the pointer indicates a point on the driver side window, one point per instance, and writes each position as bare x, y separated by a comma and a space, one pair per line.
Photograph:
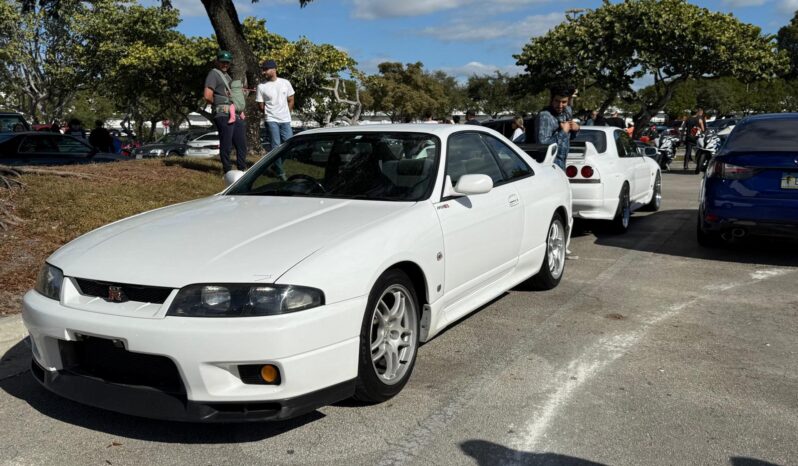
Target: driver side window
467, 154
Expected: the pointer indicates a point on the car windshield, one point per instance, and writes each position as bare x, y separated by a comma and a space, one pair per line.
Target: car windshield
763, 136
720, 124
391, 166
597, 138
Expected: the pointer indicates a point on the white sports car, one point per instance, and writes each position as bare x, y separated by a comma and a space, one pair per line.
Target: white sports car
312, 278
610, 178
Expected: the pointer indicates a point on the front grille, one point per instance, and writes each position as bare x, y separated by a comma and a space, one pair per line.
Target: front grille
109, 361
138, 293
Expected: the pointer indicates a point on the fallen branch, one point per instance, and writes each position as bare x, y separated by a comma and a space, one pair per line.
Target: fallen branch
46, 171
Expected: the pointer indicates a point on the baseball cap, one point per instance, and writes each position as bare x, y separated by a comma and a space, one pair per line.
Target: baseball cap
224, 55
268, 65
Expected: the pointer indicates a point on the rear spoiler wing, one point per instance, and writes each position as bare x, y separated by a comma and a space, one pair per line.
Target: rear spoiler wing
581, 149
544, 154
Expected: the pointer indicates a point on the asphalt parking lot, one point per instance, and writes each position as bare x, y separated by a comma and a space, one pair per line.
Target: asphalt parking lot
652, 350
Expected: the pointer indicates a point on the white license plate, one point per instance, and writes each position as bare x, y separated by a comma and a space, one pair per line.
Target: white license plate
789, 181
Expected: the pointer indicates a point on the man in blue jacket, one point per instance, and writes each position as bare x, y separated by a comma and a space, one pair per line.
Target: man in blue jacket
554, 124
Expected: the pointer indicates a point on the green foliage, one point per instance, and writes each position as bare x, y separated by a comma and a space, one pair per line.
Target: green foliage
788, 43
409, 92
42, 61
616, 44
491, 93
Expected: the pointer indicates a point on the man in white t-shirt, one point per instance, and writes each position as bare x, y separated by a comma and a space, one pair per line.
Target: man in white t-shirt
275, 97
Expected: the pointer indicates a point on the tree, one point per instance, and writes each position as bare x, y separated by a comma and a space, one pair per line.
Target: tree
615, 45
491, 93
41, 55
788, 43
406, 91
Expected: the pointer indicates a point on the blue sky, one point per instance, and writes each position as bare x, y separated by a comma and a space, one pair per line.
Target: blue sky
461, 37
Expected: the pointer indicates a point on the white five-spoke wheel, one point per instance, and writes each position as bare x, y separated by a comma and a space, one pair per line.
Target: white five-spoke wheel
388, 338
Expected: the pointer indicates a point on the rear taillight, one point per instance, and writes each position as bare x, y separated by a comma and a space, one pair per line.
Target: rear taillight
727, 171
571, 171
587, 171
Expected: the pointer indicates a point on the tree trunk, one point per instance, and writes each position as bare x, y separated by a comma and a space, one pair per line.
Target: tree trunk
230, 35
647, 112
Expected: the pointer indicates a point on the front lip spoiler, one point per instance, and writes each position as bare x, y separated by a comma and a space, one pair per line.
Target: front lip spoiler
156, 404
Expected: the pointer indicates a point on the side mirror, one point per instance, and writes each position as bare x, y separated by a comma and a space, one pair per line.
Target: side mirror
232, 176
651, 152
468, 185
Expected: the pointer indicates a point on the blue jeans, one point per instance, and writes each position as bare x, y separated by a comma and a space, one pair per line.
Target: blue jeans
229, 136
278, 134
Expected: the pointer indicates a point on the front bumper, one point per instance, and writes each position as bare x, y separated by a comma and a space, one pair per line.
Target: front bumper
316, 352
156, 404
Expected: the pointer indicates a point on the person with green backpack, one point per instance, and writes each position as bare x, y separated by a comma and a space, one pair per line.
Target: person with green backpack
227, 100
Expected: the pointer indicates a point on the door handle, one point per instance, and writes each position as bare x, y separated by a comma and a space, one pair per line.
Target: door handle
512, 200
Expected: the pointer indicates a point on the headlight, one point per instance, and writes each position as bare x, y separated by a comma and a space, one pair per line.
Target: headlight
243, 300
49, 281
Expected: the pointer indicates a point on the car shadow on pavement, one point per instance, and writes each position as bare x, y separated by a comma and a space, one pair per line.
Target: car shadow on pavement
673, 232
24, 387
741, 461
488, 454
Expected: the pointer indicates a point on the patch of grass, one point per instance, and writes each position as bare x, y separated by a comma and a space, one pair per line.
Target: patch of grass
58, 209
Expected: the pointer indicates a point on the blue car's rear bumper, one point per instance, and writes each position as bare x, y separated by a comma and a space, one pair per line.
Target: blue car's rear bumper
725, 208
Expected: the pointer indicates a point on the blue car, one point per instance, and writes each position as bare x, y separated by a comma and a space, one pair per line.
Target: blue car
751, 185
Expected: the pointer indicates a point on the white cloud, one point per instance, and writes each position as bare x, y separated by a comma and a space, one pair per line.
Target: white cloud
377, 9
243, 7
744, 3
472, 30
480, 69
789, 6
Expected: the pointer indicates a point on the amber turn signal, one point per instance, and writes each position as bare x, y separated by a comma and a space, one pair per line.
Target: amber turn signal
269, 373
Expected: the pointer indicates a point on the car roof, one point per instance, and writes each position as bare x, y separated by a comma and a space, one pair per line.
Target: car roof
440, 130
771, 116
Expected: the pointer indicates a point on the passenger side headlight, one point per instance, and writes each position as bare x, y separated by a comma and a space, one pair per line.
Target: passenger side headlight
49, 281
243, 300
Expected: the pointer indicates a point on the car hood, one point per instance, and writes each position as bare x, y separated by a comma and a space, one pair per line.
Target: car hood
221, 239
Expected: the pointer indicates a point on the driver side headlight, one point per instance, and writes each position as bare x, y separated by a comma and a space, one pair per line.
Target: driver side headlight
243, 300
49, 281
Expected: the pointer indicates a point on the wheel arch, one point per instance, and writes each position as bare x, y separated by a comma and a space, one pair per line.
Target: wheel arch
417, 278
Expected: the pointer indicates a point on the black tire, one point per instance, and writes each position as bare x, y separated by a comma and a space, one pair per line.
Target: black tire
707, 239
620, 224
656, 199
546, 278
699, 162
173, 153
370, 387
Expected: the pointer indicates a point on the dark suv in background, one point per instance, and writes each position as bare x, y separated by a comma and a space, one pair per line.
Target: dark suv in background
505, 127
10, 120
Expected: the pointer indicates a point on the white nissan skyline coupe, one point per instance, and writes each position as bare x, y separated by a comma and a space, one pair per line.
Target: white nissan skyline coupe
312, 278
610, 178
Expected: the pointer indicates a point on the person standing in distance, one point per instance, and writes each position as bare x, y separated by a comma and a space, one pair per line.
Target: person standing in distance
217, 93
275, 98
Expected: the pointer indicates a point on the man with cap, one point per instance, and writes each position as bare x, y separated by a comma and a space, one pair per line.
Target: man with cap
217, 93
275, 97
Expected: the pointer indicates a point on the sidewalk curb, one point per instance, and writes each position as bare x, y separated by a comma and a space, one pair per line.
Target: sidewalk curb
14, 358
